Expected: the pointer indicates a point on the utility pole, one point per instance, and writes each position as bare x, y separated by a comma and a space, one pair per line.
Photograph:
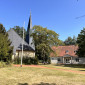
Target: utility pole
22, 44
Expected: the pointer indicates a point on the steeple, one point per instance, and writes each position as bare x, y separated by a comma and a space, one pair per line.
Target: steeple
29, 39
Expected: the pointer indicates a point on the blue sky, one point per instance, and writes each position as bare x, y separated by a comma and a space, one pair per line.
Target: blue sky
57, 15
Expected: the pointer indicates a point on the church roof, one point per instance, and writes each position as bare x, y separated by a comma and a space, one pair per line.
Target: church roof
17, 42
64, 50
29, 38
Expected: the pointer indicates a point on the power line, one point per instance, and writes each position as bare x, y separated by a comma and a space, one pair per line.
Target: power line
80, 17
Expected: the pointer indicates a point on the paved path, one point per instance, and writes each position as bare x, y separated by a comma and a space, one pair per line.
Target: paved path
38, 66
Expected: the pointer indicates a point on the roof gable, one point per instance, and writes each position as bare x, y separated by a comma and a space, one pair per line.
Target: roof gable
17, 41
62, 50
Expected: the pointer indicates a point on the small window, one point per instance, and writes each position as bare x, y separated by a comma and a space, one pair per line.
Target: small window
59, 59
75, 51
66, 51
52, 58
77, 59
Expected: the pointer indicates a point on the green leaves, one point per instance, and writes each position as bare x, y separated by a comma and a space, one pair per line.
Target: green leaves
5, 48
81, 43
70, 41
44, 39
19, 31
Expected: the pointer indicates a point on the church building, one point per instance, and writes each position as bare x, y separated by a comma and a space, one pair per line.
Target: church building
28, 45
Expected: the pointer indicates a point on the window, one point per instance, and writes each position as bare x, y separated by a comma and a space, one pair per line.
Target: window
66, 51
52, 58
75, 51
59, 59
77, 59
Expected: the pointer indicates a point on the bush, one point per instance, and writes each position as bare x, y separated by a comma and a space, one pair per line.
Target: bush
17, 60
29, 60
26, 60
2, 64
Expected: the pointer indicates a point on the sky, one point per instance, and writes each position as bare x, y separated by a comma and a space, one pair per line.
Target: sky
57, 15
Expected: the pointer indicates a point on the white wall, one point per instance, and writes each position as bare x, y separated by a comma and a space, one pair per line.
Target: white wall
81, 61
25, 53
54, 60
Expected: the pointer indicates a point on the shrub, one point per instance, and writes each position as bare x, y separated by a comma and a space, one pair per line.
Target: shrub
17, 60
26, 60
2, 64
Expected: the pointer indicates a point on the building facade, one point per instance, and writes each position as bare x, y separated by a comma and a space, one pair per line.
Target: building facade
28, 45
66, 55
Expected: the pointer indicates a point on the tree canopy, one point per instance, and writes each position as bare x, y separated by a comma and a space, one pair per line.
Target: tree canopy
44, 39
81, 43
19, 31
70, 41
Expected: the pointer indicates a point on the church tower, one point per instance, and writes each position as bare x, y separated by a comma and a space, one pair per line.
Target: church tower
29, 39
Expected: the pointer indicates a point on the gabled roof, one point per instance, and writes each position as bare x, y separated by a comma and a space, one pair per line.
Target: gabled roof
17, 41
64, 50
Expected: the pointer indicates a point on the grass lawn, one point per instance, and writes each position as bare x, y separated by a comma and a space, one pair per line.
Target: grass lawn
40, 76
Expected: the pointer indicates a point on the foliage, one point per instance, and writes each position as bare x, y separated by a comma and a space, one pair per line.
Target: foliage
70, 41
19, 30
81, 43
43, 40
4, 64
5, 48
26, 60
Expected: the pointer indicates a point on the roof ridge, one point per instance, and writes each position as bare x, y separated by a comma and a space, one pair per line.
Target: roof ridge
20, 37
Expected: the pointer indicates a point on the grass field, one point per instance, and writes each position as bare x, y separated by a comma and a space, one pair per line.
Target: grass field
40, 76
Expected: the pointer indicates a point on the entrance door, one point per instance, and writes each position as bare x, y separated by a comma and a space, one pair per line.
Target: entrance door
67, 60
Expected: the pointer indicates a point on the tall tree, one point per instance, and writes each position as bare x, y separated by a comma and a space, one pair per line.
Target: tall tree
5, 48
70, 41
44, 39
81, 43
19, 31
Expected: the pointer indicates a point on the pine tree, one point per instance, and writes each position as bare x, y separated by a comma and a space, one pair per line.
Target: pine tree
81, 43
5, 48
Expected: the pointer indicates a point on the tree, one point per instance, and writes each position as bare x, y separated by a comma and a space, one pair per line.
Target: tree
43, 40
70, 41
19, 31
81, 43
5, 48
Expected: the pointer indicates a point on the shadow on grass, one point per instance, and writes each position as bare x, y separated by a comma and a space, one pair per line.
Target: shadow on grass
72, 65
23, 84
82, 70
37, 83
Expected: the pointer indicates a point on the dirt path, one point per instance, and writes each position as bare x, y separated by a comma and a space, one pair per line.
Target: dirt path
38, 66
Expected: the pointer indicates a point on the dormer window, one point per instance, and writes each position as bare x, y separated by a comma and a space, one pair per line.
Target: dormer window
75, 51
66, 51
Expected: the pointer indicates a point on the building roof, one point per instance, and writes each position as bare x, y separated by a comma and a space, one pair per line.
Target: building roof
17, 42
29, 38
64, 50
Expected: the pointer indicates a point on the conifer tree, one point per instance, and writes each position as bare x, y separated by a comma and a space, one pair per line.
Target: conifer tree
5, 48
81, 43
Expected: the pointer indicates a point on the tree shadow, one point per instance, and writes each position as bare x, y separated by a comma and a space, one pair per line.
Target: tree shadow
37, 83
82, 70
73, 65
44, 83
23, 84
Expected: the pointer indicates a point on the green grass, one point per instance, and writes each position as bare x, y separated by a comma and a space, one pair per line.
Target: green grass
40, 76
